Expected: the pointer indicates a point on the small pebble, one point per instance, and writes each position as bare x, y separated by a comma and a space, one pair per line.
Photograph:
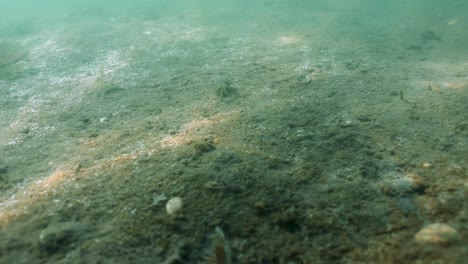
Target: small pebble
417, 181
437, 233
426, 165
174, 206
396, 183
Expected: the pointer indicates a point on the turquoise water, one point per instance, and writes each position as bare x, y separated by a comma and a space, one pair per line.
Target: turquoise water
316, 131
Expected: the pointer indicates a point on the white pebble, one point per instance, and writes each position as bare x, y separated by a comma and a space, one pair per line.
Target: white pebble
174, 205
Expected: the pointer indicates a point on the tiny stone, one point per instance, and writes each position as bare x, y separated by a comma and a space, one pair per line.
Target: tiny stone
347, 123
174, 206
417, 182
426, 165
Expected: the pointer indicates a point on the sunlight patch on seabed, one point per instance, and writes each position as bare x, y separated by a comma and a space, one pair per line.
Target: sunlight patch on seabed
45, 51
50, 54
87, 76
48, 91
25, 123
453, 76
168, 33
289, 39
190, 130
18, 203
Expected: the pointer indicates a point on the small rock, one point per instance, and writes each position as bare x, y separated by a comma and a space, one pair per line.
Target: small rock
174, 206
417, 181
395, 183
437, 233
427, 165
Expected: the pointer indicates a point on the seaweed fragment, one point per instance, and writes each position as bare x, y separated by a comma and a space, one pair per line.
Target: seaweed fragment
221, 249
224, 89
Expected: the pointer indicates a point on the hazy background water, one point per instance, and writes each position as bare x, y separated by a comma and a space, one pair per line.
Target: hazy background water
422, 13
377, 21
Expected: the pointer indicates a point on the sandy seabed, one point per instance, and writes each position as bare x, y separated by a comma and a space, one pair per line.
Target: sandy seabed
287, 144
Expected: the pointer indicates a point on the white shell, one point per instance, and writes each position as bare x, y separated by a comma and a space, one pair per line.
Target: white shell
174, 205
